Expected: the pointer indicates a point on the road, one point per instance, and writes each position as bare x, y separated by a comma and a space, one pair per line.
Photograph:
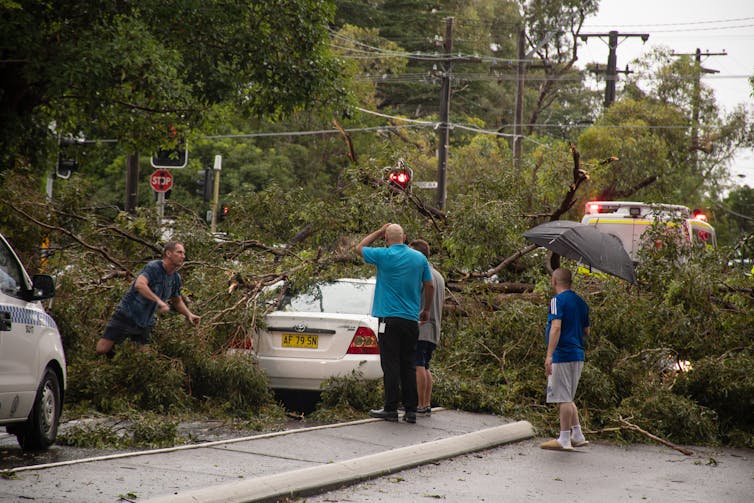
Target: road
599, 473
452, 455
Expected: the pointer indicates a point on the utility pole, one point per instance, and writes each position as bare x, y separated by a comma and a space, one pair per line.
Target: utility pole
611, 73
132, 182
444, 125
521, 67
444, 129
696, 100
518, 114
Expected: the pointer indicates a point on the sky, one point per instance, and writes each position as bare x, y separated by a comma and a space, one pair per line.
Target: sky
684, 25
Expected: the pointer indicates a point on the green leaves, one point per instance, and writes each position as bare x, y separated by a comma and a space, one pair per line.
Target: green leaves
129, 72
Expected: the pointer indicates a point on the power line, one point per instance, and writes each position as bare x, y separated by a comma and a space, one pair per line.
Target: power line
719, 28
474, 77
415, 124
378, 52
689, 23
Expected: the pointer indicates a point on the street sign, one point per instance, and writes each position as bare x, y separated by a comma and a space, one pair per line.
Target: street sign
161, 180
425, 185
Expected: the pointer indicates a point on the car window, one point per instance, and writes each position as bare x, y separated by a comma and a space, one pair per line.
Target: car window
10, 272
337, 297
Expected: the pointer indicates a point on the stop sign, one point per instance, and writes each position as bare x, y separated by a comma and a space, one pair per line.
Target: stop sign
161, 180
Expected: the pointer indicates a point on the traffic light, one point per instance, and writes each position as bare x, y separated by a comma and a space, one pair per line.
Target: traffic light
65, 167
204, 184
171, 158
222, 211
400, 178
67, 156
175, 156
167, 194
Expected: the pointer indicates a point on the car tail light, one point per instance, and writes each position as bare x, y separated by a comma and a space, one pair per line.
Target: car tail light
364, 342
240, 343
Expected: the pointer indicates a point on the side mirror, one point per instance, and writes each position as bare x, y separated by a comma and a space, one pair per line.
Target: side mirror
43, 287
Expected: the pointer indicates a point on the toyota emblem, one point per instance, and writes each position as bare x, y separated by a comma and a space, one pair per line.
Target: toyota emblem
300, 328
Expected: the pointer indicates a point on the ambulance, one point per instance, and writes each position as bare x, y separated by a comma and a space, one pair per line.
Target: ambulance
627, 221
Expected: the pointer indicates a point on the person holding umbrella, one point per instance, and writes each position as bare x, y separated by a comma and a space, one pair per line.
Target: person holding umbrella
567, 327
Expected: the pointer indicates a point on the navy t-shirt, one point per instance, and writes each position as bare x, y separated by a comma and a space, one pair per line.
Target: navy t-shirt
165, 286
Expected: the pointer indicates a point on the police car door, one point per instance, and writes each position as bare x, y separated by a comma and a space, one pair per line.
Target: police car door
17, 345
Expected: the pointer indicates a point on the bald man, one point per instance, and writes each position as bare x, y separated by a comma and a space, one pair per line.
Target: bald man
567, 327
402, 299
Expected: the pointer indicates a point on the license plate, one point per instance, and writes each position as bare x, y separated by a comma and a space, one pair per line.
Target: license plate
300, 341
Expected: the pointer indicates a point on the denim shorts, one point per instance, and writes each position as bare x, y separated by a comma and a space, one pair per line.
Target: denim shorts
122, 327
424, 350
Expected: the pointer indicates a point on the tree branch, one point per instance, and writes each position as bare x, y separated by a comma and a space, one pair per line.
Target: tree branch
98, 249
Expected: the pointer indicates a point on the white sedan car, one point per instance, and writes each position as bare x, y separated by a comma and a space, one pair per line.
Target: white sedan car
325, 331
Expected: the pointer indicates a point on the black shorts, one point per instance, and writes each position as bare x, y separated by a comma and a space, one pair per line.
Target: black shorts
424, 350
122, 327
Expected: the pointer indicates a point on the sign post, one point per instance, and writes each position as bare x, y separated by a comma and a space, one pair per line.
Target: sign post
161, 181
216, 192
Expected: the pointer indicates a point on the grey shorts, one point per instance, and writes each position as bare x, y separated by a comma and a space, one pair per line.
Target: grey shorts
562, 383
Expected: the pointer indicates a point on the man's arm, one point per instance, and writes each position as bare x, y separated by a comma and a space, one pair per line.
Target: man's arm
142, 286
428, 294
182, 308
552, 343
371, 238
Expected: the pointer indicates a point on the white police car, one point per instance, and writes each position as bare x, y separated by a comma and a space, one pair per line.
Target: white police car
32, 362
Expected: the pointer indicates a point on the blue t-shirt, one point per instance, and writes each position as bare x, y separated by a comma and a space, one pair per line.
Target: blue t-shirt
573, 314
400, 273
165, 286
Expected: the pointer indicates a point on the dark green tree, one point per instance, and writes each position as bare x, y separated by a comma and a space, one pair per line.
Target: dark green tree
131, 71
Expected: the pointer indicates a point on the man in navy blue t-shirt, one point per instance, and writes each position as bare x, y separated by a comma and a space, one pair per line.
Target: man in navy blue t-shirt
567, 326
156, 284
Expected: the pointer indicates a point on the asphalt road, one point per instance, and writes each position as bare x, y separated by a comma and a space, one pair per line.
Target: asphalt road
452, 456
599, 473
259, 467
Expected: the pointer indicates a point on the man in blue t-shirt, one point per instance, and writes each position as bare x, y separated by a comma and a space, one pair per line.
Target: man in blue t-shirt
402, 299
156, 284
567, 326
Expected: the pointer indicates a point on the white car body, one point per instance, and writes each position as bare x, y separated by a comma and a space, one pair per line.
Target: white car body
32, 360
300, 349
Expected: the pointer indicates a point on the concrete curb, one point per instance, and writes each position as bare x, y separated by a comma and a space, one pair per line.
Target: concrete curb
308, 480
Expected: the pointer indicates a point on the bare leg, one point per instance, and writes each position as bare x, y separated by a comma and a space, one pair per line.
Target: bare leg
421, 385
428, 396
569, 416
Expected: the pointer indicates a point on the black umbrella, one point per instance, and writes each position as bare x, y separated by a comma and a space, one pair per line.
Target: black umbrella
586, 245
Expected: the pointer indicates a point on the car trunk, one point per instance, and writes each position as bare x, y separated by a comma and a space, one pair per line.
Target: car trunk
309, 335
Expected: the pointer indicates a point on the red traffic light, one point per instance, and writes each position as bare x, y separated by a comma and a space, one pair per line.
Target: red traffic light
222, 211
400, 178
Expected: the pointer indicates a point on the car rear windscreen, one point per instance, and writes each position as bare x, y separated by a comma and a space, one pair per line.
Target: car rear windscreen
339, 297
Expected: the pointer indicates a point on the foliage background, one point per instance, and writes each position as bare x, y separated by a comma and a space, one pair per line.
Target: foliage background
298, 202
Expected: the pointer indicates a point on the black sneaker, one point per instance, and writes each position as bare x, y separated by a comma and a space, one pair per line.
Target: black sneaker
387, 415
424, 411
409, 417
